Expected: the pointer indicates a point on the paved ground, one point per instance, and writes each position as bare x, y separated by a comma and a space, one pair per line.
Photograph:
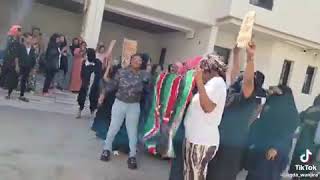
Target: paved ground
42, 140
50, 144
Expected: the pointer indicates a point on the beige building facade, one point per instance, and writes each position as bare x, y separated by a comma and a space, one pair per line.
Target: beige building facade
286, 31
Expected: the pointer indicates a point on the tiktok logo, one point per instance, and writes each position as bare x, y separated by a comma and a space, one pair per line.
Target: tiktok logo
306, 157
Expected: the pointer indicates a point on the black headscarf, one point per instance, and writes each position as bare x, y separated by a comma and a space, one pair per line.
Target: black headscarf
52, 42
145, 60
317, 101
91, 53
258, 79
74, 46
236, 87
279, 119
64, 43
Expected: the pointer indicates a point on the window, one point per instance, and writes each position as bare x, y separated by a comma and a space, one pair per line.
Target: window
308, 81
266, 4
285, 74
162, 56
224, 52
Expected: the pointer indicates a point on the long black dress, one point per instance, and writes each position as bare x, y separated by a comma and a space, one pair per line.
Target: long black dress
310, 119
176, 169
9, 75
274, 129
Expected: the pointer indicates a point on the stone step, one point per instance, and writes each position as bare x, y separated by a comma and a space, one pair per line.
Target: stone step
66, 101
56, 97
59, 102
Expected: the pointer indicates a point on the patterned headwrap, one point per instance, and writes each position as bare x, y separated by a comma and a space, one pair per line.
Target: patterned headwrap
91, 54
213, 62
14, 30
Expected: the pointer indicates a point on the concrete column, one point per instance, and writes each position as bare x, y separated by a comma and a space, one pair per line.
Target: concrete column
93, 16
212, 36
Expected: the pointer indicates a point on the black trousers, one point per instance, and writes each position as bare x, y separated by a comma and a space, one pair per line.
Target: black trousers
50, 73
4, 72
177, 164
9, 77
263, 169
226, 164
93, 96
24, 73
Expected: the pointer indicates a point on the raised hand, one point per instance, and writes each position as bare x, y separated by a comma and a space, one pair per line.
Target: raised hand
251, 51
271, 154
198, 75
236, 50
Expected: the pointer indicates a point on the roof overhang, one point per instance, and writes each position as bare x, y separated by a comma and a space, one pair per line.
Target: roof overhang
291, 39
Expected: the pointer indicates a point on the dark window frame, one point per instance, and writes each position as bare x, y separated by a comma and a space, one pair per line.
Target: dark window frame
309, 79
266, 4
286, 72
224, 52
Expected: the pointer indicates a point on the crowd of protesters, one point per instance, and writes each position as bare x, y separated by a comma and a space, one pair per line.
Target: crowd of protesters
228, 126
232, 123
25, 56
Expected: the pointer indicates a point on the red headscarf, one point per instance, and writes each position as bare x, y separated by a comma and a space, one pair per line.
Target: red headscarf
193, 63
14, 30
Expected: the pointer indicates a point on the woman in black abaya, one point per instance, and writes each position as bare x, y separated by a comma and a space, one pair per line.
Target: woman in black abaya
271, 136
309, 124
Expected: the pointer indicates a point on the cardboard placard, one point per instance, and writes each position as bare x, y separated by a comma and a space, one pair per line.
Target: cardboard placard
109, 57
130, 48
245, 34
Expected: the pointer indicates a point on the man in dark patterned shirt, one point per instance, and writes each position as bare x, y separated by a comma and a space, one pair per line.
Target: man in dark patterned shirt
129, 83
234, 126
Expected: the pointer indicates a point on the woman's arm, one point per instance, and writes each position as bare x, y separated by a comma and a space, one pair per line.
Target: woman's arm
107, 72
108, 53
205, 102
234, 68
112, 84
248, 77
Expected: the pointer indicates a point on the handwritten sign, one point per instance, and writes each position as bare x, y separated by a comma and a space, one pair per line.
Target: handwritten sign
245, 34
130, 48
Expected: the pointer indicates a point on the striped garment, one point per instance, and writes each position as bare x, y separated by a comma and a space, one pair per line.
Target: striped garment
172, 93
196, 160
